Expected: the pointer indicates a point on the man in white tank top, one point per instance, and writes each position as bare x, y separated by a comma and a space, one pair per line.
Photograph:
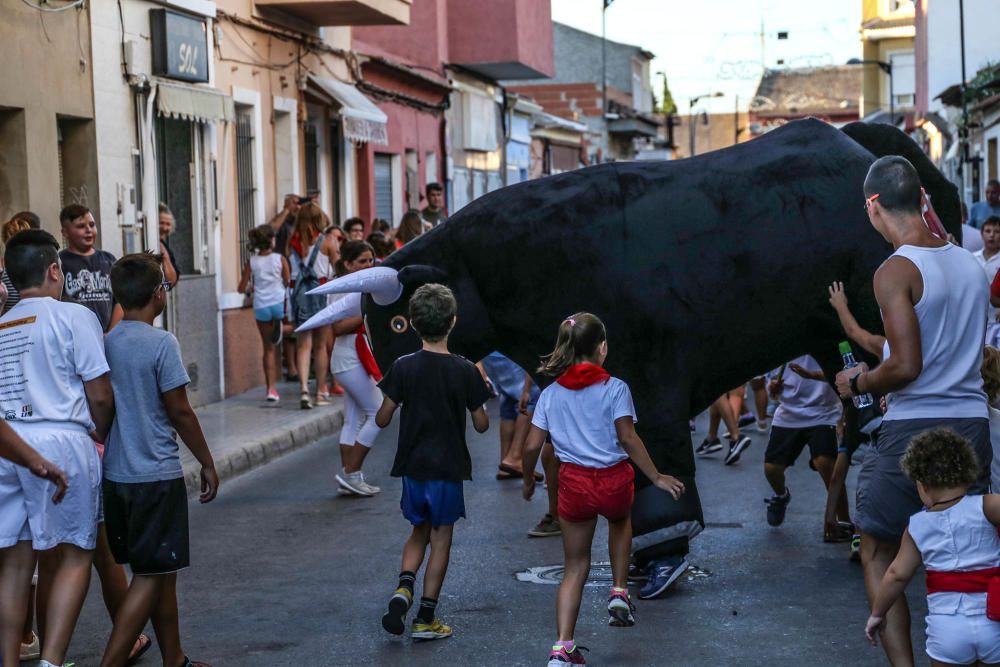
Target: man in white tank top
931, 294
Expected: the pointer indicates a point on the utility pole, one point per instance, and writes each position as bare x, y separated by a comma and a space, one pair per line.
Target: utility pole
736, 121
963, 135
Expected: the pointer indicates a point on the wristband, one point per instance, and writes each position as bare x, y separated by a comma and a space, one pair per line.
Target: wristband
854, 385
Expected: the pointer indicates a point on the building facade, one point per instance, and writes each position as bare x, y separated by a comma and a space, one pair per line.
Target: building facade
828, 93
887, 36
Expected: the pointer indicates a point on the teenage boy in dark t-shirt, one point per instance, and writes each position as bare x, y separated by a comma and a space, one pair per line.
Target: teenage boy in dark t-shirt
435, 389
87, 269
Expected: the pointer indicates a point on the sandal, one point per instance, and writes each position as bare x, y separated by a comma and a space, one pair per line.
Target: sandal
510, 472
142, 644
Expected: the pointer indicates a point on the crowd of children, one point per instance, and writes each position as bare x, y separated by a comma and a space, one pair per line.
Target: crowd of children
81, 332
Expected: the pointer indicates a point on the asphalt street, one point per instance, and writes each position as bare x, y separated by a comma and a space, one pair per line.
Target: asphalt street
285, 572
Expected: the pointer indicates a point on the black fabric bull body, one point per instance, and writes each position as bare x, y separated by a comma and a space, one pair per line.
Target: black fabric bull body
706, 271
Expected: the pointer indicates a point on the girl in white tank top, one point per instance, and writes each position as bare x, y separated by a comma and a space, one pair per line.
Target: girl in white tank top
955, 539
270, 275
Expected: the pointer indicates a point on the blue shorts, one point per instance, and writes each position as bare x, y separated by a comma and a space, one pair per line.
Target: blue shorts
270, 313
439, 501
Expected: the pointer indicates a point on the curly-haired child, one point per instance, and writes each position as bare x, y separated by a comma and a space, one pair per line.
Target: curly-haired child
955, 537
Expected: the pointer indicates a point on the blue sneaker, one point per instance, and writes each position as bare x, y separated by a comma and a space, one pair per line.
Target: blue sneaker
662, 575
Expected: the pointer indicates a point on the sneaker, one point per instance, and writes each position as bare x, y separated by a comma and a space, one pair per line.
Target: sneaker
394, 619
31, 650
620, 609
745, 419
776, 506
547, 527
353, 483
337, 390
433, 630
304, 401
736, 448
370, 488
344, 491
662, 575
762, 425
273, 396
560, 657
708, 447
322, 398
855, 556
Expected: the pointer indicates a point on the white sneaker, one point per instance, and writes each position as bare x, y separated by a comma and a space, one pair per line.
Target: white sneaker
354, 483
370, 487
32, 651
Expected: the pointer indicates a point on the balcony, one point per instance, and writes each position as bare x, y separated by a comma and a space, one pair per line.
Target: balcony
501, 39
343, 12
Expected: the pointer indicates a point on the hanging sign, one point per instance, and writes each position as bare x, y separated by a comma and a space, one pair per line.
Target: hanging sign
180, 45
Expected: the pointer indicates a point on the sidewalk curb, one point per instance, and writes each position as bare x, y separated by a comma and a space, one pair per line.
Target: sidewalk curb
269, 447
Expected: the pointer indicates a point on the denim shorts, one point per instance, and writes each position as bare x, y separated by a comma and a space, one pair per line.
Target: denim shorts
439, 501
508, 379
270, 313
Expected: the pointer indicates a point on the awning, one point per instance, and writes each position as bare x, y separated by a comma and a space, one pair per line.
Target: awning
363, 121
203, 105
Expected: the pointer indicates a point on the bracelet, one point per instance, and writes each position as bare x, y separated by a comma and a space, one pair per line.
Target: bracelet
854, 384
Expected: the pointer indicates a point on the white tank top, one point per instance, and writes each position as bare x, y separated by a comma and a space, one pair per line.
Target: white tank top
268, 286
952, 328
958, 539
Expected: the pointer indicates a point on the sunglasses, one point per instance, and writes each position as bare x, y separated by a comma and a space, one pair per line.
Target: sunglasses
869, 200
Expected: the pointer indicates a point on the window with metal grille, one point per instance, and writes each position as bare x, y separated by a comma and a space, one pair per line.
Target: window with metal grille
312, 159
383, 187
246, 191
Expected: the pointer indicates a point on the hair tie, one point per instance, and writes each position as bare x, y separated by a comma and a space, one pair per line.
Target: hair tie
571, 321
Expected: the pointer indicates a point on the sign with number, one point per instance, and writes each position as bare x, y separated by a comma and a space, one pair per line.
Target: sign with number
180, 45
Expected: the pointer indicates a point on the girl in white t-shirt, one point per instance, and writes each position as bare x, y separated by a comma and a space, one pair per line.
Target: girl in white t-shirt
955, 538
270, 274
590, 419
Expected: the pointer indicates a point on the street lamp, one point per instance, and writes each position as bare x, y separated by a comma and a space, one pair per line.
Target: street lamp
691, 123
887, 68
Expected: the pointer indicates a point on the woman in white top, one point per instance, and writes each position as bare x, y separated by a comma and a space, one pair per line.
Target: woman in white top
310, 222
270, 275
955, 538
355, 370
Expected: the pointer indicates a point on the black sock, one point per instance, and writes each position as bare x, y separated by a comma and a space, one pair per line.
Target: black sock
406, 579
426, 612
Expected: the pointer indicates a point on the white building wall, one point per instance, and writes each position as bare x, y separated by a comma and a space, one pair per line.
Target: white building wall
944, 65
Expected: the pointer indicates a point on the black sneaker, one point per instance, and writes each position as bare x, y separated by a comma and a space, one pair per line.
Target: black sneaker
736, 448
394, 619
776, 506
708, 447
746, 419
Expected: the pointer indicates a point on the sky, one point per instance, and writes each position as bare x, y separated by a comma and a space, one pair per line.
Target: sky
707, 46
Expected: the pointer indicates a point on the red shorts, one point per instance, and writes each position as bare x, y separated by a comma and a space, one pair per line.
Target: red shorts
586, 492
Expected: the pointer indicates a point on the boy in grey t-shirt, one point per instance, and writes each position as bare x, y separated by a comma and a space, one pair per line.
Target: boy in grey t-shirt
145, 499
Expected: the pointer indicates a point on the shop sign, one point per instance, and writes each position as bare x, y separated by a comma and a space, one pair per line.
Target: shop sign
180, 45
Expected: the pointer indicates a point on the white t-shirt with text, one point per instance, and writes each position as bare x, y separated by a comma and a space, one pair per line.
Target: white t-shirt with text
48, 350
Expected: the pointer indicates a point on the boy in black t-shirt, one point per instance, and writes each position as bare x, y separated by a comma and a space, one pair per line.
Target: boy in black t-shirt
435, 389
87, 269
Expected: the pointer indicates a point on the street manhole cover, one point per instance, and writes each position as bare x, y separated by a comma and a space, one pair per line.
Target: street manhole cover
600, 574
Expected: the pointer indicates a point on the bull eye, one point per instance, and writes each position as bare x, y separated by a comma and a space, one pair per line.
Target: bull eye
399, 324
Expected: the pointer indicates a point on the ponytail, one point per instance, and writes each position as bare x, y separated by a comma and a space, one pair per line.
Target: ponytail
580, 335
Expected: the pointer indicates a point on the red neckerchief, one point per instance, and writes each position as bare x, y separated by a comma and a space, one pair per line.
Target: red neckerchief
364, 351
579, 376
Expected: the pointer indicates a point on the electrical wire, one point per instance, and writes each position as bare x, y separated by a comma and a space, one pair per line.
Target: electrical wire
53, 10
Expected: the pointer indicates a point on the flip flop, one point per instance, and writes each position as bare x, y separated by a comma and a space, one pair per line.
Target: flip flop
144, 643
504, 475
511, 472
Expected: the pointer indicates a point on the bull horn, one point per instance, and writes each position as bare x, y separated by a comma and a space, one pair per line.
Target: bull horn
341, 309
379, 281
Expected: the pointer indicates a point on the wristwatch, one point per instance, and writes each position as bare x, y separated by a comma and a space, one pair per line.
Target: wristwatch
854, 384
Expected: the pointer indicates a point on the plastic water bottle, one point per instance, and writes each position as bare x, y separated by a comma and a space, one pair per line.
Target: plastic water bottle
869, 414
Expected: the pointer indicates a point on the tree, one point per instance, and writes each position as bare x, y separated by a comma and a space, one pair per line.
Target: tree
667, 106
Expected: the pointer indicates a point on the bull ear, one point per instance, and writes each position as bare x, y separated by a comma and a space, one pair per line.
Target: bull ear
421, 274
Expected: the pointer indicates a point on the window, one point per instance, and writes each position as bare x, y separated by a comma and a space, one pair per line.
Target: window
246, 190
430, 168
383, 187
991, 159
312, 158
480, 122
412, 180
904, 81
286, 148
900, 6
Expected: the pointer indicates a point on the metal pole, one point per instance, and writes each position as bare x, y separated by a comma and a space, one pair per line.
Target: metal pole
604, 64
691, 126
736, 121
892, 97
963, 134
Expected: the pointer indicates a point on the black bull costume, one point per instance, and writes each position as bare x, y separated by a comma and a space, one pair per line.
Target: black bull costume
706, 271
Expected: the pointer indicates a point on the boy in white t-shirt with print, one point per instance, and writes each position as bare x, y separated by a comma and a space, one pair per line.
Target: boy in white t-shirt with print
57, 396
808, 415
